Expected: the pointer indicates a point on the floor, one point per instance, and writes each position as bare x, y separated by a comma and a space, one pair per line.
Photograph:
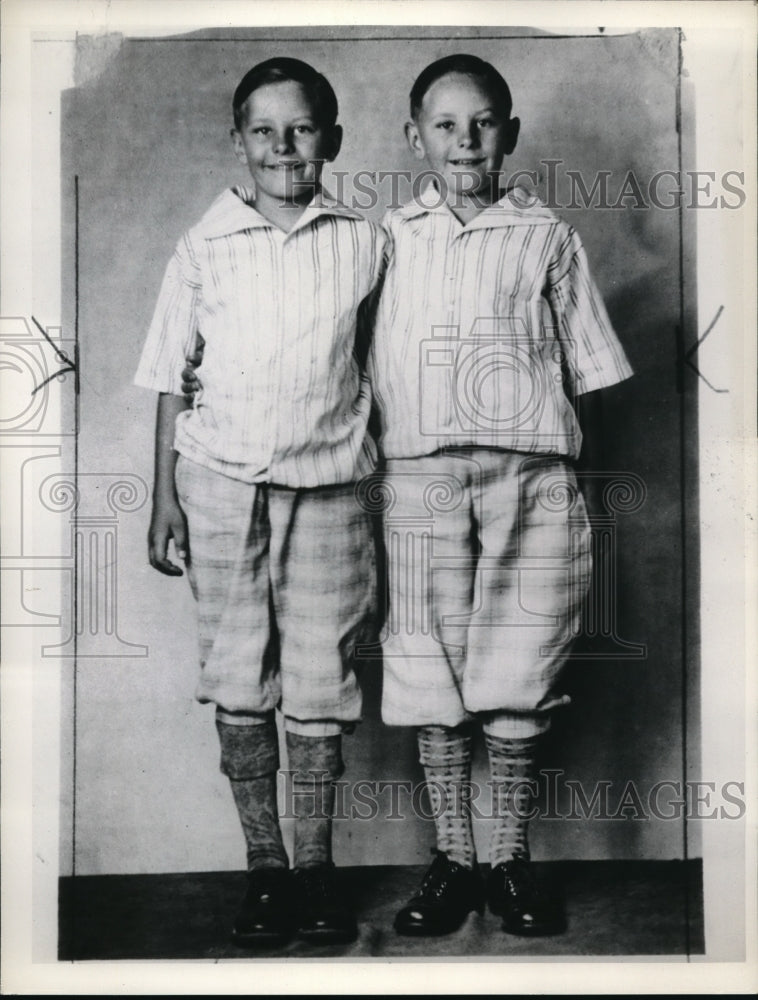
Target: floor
613, 908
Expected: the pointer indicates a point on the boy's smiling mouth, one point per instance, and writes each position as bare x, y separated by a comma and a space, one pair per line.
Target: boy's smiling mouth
285, 165
468, 161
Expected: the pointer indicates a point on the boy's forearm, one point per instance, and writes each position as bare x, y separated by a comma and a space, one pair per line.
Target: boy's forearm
169, 407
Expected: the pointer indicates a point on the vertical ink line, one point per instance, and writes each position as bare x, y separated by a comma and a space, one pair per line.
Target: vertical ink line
77, 567
683, 540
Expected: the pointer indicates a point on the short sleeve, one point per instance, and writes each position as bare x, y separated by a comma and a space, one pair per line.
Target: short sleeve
594, 357
172, 332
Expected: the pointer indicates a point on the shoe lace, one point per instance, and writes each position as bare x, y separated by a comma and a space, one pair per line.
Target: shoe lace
437, 879
317, 883
521, 881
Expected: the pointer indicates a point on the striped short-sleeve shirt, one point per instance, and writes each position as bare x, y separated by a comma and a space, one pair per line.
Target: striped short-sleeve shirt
283, 397
484, 332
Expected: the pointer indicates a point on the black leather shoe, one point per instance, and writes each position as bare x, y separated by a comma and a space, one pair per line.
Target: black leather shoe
323, 916
265, 917
448, 893
515, 894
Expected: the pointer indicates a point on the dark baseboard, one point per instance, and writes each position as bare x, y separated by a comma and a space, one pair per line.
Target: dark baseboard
639, 908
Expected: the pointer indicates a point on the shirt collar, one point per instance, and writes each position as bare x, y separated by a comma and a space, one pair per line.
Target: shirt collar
517, 206
233, 212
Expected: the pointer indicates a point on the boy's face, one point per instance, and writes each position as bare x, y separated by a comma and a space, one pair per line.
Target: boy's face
283, 142
462, 134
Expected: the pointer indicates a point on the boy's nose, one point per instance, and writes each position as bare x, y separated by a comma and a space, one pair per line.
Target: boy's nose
467, 136
283, 142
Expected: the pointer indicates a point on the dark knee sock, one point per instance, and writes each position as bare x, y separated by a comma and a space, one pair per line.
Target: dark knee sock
512, 775
250, 759
446, 756
315, 763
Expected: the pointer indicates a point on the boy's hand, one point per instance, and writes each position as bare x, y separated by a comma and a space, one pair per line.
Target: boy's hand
168, 521
592, 490
190, 382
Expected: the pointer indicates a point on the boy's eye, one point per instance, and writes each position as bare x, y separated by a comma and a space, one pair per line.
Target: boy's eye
305, 129
446, 125
261, 130
487, 123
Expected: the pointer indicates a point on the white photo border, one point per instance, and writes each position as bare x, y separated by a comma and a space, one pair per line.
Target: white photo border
714, 32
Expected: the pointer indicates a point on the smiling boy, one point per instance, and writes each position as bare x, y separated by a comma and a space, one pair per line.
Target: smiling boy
463, 130
488, 328
255, 483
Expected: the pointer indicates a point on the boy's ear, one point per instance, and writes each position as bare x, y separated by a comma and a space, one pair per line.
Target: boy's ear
239, 149
414, 140
514, 124
335, 143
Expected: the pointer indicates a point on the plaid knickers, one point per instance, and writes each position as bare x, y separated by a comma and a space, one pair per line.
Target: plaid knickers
488, 565
285, 585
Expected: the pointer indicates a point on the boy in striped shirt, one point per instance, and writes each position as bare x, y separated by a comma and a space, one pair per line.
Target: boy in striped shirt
255, 482
488, 327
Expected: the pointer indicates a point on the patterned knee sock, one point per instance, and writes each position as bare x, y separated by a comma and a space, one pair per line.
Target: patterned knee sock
511, 769
446, 756
250, 759
316, 763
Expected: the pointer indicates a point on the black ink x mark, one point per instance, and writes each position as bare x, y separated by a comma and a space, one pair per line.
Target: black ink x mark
61, 355
694, 348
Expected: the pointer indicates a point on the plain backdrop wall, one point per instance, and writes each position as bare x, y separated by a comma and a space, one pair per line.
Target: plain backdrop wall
145, 150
